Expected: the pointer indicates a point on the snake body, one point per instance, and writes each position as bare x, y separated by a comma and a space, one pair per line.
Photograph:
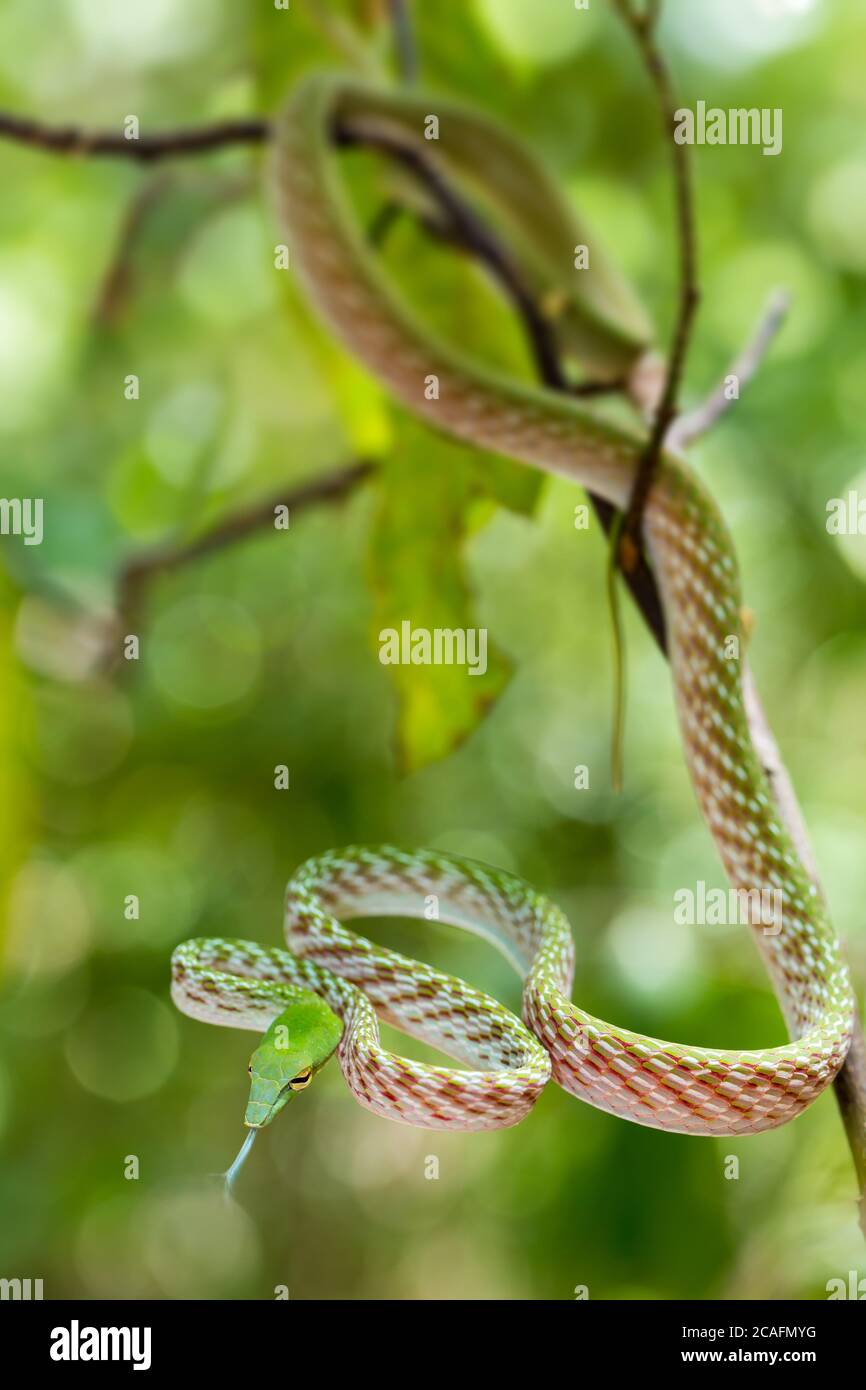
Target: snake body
696, 1090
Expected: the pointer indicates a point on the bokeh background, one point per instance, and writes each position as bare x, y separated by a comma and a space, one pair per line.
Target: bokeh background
156, 778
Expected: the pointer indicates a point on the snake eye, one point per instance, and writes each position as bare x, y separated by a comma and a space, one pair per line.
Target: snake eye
302, 1080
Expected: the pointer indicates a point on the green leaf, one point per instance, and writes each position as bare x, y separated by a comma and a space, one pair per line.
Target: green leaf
429, 487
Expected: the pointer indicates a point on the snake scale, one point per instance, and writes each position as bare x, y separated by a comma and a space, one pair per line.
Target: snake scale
327, 991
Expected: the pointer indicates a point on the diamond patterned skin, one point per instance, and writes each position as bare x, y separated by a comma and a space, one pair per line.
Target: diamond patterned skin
694, 1090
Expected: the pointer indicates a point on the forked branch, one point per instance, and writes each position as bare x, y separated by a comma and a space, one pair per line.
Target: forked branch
643, 24
689, 427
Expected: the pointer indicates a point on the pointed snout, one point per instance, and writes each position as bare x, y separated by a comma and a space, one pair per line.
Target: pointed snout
266, 1100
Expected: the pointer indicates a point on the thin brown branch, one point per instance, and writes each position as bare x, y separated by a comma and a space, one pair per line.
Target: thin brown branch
118, 282
158, 560
115, 288
689, 427
404, 39
850, 1084
643, 24
468, 234
463, 226
850, 1090
72, 140
385, 219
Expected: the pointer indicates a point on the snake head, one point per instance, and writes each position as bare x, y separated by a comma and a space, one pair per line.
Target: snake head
297, 1044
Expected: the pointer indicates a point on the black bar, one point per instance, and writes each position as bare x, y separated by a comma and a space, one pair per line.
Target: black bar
262, 1338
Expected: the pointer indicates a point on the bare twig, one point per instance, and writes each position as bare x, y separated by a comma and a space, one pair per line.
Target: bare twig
118, 281
464, 226
642, 24
850, 1089
850, 1084
689, 427
114, 290
72, 140
387, 217
404, 39
777, 774
140, 569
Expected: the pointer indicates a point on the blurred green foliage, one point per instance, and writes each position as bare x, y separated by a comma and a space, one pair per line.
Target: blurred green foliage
158, 781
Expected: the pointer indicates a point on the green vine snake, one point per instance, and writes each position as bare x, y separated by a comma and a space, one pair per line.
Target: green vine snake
325, 993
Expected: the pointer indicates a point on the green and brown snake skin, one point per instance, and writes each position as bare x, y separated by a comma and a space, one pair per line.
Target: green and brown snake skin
671, 1086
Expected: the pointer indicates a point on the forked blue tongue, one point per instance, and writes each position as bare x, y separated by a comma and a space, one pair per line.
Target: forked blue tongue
232, 1173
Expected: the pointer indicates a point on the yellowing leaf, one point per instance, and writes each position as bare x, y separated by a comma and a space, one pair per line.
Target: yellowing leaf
429, 488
